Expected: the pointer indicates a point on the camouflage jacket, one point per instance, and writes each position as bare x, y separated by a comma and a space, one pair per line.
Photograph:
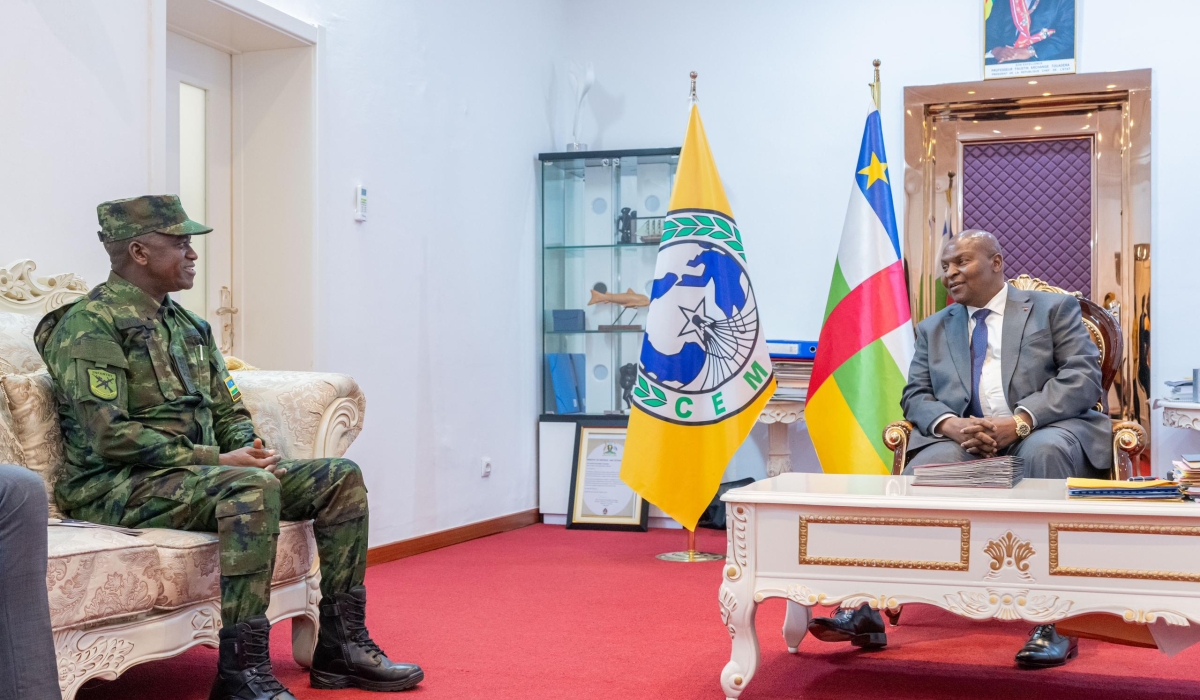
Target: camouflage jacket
140, 387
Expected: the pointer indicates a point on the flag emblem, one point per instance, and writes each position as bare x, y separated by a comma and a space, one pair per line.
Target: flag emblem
234, 393
697, 363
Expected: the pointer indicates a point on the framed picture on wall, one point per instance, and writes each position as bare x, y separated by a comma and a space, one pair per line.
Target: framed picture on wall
1023, 38
599, 499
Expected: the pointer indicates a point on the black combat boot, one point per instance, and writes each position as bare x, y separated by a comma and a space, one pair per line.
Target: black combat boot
244, 667
346, 657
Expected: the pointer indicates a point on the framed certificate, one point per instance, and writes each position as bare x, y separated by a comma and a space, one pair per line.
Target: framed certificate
1025, 38
599, 499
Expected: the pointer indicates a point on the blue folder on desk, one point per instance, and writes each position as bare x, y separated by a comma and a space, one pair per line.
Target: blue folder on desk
564, 373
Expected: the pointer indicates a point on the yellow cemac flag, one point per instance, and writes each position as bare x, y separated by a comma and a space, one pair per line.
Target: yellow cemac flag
704, 374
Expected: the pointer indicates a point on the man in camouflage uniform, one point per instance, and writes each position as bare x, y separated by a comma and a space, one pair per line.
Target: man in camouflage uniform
157, 436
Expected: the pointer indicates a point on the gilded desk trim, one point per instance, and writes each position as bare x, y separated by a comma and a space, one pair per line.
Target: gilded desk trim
1057, 570
964, 526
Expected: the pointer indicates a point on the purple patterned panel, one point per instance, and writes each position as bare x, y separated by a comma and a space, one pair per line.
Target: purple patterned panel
1036, 196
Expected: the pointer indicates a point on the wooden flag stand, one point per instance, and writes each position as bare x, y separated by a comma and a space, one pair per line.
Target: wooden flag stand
691, 555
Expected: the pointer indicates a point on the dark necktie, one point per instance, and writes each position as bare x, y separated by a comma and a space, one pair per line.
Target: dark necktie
979, 343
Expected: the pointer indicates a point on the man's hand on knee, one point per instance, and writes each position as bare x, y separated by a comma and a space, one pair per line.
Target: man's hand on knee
255, 456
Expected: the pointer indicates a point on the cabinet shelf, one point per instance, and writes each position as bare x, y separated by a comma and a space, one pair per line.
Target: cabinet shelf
609, 246
594, 331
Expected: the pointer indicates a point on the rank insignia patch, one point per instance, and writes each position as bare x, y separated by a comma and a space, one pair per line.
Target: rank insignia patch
233, 390
103, 384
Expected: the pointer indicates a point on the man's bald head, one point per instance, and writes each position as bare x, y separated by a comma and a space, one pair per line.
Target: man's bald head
973, 266
984, 241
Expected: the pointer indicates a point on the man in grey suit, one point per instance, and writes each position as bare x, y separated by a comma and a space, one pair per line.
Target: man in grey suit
28, 670
1022, 382
1002, 371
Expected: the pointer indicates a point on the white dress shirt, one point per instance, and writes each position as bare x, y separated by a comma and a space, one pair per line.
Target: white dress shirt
992, 401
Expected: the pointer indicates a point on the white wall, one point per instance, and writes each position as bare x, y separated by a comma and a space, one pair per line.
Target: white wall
74, 127
440, 109
783, 94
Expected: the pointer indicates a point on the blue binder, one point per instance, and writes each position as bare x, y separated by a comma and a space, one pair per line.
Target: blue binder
792, 349
565, 373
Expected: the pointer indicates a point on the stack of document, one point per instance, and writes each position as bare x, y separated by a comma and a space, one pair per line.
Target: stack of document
1187, 472
991, 472
1181, 390
1104, 489
792, 379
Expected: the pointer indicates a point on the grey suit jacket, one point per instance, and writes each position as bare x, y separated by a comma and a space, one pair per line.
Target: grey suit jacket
1048, 363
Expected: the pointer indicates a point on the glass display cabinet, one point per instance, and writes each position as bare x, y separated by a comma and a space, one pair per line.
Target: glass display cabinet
602, 214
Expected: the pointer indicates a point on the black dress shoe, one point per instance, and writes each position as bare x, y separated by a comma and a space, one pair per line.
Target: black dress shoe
347, 657
1047, 648
862, 627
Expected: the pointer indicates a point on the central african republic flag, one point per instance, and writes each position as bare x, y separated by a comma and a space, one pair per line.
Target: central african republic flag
867, 338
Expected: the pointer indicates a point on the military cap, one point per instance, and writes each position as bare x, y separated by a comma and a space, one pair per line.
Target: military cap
121, 219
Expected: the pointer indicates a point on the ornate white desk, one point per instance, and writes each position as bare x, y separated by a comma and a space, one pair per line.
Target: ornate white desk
1025, 553
1179, 414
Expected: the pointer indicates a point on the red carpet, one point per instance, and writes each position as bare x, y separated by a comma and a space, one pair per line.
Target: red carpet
544, 612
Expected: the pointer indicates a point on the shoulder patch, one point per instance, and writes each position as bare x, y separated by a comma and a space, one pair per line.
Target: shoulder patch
102, 383
231, 385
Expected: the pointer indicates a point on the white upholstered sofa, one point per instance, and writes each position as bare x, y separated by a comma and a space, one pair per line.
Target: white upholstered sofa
117, 599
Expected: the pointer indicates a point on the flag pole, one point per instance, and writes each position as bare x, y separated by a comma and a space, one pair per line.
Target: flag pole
690, 555
875, 85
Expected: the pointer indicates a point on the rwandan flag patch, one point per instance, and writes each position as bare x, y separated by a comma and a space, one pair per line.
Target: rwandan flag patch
234, 393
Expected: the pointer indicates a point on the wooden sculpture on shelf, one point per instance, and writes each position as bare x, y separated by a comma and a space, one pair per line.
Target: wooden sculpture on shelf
629, 299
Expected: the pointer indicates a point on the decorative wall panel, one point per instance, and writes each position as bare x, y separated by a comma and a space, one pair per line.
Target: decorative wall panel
1036, 196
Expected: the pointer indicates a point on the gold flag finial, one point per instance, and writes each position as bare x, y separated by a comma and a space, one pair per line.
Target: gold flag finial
692, 96
875, 85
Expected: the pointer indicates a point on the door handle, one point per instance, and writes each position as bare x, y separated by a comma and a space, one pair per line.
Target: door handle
226, 310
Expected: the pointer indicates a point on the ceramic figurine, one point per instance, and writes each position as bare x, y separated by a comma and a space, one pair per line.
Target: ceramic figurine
627, 375
626, 223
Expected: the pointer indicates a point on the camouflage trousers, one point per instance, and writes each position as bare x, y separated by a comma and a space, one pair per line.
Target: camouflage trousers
244, 505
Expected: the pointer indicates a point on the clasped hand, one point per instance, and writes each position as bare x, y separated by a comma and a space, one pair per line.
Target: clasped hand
255, 456
981, 436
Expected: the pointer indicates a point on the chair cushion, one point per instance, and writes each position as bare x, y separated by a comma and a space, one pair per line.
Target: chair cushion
95, 575
35, 420
18, 354
189, 563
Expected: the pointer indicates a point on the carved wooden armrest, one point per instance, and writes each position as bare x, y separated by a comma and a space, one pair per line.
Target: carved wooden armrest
895, 436
1129, 439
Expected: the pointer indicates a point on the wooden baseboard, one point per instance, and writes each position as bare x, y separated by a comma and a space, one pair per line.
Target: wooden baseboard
436, 540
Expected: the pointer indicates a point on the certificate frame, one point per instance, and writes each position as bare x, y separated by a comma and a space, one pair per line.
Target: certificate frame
1059, 65
635, 518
